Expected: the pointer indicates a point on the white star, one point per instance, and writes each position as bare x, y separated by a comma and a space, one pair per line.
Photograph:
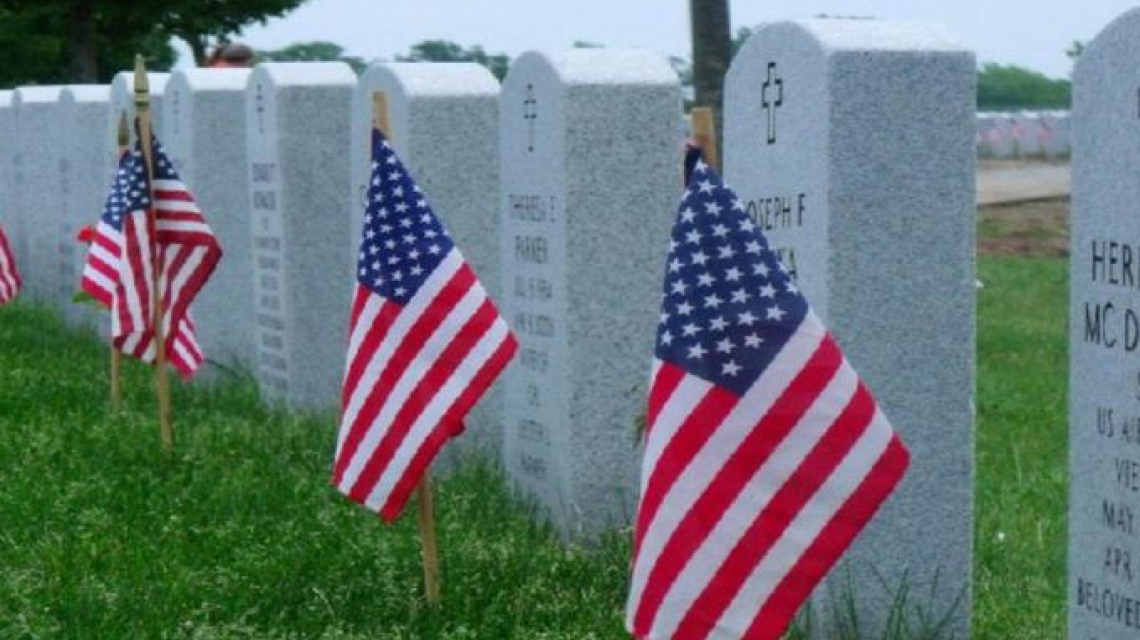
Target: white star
430, 234
730, 368
713, 208
746, 319
414, 254
752, 247
705, 186
395, 175
393, 259
693, 236
747, 225
713, 301
666, 338
732, 274
760, 269
684, 308
399, 291
390, 243
401, 207
690, 330
409, 238
700, 258
776, 313
679, 288
738, 205
687, 214
740, 296
417, 270
767, 291
753, 341
720, 231
725, 346
726, 252
790, 287
700, 166
718, 323
697, 352
377, 281
434, 249
674, 265
397, 276
405, 223
705, 280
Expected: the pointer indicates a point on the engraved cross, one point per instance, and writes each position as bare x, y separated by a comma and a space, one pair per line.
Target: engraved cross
774, 80
530, 114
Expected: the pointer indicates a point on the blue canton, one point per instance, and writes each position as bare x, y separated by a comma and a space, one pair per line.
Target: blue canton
729, 306
403, 240
129, 192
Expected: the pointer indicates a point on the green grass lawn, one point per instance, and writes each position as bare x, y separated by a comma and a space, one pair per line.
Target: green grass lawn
239, 535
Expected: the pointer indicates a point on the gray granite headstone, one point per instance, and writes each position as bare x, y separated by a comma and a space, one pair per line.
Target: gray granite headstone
1102, 589
297, 130
42, 174
1006, 142
1057, 140
851, 143
590, 182
1029, 129
205, 138
987, 135
85, 112
444, 122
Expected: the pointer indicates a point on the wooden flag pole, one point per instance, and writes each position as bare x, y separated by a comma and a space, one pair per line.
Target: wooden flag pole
704, 132
124, 141
425, 516
161, 381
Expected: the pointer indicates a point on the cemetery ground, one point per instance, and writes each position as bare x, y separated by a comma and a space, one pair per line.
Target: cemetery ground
239, 535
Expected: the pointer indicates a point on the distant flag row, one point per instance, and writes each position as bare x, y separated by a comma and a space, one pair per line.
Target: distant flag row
765, 454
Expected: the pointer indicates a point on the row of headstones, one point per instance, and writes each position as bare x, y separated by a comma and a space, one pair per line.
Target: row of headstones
1024, 134
848, 141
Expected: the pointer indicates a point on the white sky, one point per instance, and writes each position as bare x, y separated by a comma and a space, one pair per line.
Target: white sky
1030, 33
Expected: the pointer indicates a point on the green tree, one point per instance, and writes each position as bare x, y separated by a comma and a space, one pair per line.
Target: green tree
447, 51
712, 52
89, 40
315, 51
1012, 87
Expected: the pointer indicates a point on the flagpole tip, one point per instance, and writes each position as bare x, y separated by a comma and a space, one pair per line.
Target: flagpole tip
124, 138
142, 83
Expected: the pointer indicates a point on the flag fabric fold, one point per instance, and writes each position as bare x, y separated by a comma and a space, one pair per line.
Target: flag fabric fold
765, 454
425, 343
119, 269
9, 275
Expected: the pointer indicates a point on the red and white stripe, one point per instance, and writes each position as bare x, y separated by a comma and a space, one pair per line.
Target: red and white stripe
748, 501
9, 275
413, 373
188, 254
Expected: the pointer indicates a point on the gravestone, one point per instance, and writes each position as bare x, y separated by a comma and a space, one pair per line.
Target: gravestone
1029, 126
85, 111
123, 99
42, 172
1007, 142
297, 132
591, 164
850, 143
1057, 140
1103, 592
8, 148
987, 135
444, 121
205, 138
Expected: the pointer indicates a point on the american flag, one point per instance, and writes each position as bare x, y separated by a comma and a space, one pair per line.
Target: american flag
425, 342
9, 275
120, 262
764, 453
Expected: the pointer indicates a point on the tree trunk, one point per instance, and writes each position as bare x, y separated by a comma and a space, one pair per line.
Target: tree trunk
84, 64
197, 44
712, 51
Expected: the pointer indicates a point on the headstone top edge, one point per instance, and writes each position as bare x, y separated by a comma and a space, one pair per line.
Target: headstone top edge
835, 35
37, 94
6, 98
310, 74
601, 66
125, 81
1127, 21
199, 79
433, 78
86, 93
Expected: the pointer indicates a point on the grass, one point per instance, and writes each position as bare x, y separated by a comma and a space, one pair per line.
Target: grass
238, 534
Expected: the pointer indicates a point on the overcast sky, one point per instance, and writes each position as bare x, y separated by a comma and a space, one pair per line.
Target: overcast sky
1030, 33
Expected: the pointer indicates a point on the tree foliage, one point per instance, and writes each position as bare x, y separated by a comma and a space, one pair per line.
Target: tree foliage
314, 51
58, 41
1012, 87
447, 51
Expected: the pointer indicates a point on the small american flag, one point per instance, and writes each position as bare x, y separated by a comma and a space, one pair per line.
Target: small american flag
9, 275
764, 454
120, 262
425, 343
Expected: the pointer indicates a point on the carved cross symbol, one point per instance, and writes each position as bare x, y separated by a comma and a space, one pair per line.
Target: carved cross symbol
530, 114
772, 105
259, 100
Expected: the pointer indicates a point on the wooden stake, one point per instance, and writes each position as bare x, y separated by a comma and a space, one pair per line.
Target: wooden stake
124, 142
161, 381
704, 132
426, 516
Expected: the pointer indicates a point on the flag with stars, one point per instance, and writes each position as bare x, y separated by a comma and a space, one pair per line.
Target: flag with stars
764, 453
425, 342
9, 275
120, 261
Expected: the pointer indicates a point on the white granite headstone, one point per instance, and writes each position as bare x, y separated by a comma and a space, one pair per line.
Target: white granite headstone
123, 99
205, 137
42, 173
444, 121
297, 130
1102, 590
591, 161
85, 111
8, 149
851, 143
